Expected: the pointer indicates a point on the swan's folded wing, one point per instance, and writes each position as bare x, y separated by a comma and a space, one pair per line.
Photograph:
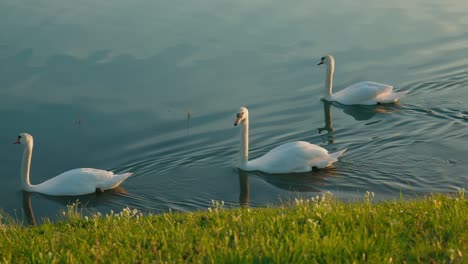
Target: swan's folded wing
75, 182
377, 86
368, 89
290, 157
362, 92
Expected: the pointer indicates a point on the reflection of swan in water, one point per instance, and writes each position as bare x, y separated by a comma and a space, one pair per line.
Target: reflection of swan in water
365, 112
27, 208
244, 194
293, 182
298, 182
328, 118
358, 112
88, 201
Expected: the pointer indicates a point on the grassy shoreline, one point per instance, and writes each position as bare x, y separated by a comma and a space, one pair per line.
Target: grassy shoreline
318, 230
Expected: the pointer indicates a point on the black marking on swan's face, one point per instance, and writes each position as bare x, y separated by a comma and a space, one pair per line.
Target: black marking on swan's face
24, 138
239, 118
321, 61
18, 140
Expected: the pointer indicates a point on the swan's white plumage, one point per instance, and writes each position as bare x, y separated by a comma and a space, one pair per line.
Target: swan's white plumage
298, 156
73, 182
367, 93
81, 181
363, 93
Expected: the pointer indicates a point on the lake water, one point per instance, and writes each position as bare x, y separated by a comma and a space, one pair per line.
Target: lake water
153, 87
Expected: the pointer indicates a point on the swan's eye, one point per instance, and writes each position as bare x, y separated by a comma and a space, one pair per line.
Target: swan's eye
19, 137
323, 58
239, 115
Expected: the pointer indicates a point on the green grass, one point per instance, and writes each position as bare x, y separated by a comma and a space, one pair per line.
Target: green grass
433, 229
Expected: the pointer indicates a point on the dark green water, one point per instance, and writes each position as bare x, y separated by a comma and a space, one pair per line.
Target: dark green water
152, 87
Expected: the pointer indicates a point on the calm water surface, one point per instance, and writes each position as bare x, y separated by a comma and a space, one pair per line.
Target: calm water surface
153, 87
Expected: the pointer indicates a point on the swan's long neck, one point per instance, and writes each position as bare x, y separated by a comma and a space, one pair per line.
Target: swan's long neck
329, 79
25, 168
244, 144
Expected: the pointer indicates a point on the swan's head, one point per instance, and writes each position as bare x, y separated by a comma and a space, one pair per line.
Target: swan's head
24, 138
242, 115
328, 60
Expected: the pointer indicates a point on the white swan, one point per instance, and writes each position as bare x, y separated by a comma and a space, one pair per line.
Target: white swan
298, 156
363, 93
73, 182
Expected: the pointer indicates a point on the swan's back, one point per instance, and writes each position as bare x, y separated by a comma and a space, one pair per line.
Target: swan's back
363, 93
298, 156
81, 181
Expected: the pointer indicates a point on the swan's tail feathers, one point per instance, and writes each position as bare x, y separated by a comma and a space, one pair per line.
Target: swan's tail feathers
336, 155
332, 158
116, 180
127, 174
392, 97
